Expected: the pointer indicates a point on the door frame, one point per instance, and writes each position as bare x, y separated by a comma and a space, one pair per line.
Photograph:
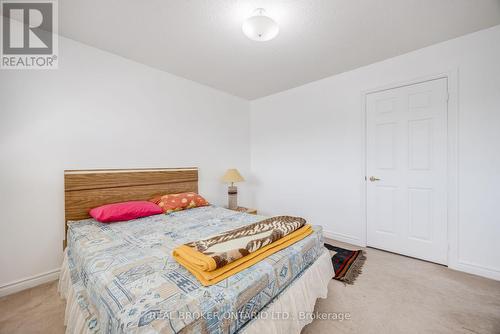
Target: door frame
452, 157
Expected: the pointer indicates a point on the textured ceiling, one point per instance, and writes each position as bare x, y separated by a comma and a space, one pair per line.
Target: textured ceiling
202, 40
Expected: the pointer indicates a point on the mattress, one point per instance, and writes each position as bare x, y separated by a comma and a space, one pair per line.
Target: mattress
126, 280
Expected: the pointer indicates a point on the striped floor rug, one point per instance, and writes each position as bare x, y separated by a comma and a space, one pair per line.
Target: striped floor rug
346, 263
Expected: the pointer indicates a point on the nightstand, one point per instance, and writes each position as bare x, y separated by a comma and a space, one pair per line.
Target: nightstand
246, 210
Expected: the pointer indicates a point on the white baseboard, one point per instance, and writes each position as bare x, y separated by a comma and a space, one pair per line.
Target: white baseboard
29, 282
343, 238
463, 266
475, 269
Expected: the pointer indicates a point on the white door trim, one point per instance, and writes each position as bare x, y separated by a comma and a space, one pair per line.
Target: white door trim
452, 159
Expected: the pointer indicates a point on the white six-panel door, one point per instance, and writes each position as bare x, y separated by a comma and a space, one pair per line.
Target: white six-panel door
406, 170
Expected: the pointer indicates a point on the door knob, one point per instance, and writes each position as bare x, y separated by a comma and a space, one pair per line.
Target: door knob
373, 178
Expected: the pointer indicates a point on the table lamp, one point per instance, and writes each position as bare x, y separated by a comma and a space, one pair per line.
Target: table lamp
232, 176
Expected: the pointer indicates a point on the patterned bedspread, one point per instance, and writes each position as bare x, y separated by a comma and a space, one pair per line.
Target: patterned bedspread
126, 279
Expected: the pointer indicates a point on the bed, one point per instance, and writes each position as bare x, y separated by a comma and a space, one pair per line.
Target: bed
121, 277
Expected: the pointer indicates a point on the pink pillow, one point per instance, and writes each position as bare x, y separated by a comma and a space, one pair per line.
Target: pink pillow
117, 212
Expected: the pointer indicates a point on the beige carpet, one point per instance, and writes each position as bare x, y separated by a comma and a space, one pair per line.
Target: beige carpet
37, 310
394, 294
398, 294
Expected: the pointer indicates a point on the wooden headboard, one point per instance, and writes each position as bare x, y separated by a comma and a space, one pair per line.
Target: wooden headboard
86, 189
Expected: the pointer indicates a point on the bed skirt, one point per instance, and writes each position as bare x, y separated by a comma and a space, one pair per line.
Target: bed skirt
285, 314
75, 319
298, 299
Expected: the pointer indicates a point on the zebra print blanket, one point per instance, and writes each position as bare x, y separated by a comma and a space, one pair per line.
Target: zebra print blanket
232, 245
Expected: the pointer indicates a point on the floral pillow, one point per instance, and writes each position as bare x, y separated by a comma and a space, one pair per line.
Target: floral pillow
177, 202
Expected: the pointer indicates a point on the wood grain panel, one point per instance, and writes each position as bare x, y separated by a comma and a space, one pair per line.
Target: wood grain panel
87, 189
80, 180
78, 203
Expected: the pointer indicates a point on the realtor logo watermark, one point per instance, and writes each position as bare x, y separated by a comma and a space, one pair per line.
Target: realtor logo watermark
29, 35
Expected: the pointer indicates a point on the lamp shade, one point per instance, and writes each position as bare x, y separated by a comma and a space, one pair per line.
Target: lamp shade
259, 27
232, 175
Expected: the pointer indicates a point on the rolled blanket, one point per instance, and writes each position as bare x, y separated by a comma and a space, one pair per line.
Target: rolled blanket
220, 256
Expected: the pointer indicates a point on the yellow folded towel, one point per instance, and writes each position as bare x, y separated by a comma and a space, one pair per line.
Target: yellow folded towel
207, 271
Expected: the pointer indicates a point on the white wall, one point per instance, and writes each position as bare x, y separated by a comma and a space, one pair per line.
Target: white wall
307, 150
99, 110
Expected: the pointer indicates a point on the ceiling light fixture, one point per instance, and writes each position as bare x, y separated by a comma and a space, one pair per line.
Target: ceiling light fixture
260, 27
